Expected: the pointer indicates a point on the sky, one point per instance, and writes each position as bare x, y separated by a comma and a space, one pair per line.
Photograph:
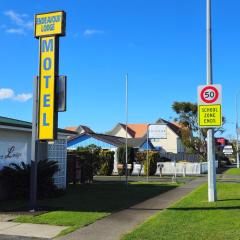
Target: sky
161, 44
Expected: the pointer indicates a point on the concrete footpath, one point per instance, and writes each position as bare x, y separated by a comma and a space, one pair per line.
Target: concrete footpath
120, 223
21, 231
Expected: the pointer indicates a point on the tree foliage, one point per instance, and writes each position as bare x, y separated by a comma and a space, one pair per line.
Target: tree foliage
121, 155
193, 137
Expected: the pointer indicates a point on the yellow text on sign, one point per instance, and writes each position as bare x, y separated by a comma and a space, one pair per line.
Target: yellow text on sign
49, 24
47, 88
210, 115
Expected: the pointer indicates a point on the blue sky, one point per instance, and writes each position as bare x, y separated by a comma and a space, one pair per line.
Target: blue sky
159, 43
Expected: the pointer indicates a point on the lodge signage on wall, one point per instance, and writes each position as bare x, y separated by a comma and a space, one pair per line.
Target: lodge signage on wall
12, 152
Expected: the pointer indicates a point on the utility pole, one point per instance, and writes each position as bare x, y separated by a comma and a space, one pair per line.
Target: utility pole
34, 150
126, 143
147, 153
212, 192
237, 130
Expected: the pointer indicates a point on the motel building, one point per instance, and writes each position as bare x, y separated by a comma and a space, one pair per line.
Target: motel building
15, 146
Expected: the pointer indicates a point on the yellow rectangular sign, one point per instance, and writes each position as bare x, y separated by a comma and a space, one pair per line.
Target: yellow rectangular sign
48, 24
46, 129
210, 115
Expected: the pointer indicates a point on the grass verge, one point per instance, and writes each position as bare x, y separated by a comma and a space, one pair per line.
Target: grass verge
84, 204
194, 218
233, 171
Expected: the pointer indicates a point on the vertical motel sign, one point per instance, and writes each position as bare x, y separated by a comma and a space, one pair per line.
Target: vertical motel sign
48, 28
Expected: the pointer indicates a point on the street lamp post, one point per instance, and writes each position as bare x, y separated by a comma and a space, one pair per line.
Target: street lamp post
212, 191
126, 140
237, 128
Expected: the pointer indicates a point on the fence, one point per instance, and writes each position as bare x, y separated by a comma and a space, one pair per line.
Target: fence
181, 157
169, 168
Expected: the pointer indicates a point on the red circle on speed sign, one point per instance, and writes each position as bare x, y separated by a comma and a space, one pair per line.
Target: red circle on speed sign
209, 94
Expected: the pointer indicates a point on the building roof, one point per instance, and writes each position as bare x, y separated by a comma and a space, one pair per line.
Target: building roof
139, 129
80, 128
4, 121
172, 126
71, 128
135, 130
113, 140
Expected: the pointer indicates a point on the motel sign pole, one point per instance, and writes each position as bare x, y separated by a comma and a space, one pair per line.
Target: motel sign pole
212, 192
48, 28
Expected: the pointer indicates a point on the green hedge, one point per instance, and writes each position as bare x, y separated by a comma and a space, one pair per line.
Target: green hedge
106, 163
121, 155
94, 161
153, 158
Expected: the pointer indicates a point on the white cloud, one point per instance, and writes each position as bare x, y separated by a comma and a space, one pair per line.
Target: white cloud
8, 93
19, 19
23, 97
91, 32
19, 31
21, 22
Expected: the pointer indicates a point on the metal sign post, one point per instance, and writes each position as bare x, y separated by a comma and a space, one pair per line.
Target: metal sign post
155, 131
212, 191
33, 180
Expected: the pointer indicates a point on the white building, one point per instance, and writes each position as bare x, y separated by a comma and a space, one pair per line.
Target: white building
15, 146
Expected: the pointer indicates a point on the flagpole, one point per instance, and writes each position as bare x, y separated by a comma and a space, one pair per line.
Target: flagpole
126, 143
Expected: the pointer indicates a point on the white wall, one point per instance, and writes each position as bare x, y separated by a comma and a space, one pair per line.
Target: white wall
122, 133
170, 144
56, 151
17, 136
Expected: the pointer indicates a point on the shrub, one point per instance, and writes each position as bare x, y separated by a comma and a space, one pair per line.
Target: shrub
85, 164
106, 163
17, 179
153, 158
141, 157
121, 155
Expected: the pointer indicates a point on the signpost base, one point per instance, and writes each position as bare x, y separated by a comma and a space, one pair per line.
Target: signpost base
212, 191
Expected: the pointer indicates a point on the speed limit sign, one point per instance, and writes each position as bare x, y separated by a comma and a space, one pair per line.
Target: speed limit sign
209, 94
210, 106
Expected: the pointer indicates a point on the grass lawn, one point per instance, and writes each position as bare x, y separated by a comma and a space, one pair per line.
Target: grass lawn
233, 171
194, 218
84, 204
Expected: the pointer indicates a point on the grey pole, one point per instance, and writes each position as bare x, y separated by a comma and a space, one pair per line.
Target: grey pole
237, 129
147, 153
33, 178
126, 143
212, 192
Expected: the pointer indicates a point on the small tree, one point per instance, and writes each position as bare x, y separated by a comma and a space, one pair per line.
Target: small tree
153, 159
193, 137
121, 155
106, 162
